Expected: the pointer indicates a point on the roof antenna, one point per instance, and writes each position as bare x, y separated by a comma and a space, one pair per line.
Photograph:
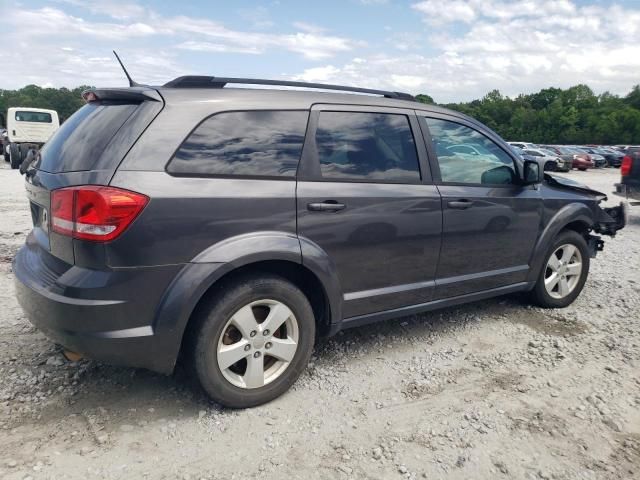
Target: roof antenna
132, 83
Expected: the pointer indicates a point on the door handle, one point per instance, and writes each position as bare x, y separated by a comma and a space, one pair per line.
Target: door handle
460, 204
326, 206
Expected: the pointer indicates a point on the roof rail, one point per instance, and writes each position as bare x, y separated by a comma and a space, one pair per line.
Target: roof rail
203, 81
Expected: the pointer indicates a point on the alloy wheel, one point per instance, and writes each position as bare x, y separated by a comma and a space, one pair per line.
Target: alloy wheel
563, 271
258, 343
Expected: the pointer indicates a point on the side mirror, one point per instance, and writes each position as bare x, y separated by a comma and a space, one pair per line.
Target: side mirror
532, 172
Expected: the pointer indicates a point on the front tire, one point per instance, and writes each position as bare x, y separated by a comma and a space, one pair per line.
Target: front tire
564, 271
252, 341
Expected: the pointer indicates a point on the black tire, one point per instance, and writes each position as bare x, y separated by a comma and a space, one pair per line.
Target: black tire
212, 320
582, 169
14, 156
4, 152
24, 151
539, 294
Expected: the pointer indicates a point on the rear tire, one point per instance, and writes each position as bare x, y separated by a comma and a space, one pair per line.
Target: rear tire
14, 156
582, 169
564, 271
235, 320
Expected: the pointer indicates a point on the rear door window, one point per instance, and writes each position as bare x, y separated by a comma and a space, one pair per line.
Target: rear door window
250, 143
81, 140
361, 146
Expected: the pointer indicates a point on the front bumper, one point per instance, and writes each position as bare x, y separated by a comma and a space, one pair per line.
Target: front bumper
105, 315
610, 220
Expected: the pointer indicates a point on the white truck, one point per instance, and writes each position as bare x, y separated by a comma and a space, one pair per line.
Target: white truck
27, 128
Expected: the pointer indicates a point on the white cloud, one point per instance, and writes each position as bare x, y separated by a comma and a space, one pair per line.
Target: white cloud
466, 11
443, 11
121, 10
517, 47
60, 46
455, 50
319, 74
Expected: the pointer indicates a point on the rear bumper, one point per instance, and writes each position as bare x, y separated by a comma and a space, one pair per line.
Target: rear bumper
96, 313
627, 191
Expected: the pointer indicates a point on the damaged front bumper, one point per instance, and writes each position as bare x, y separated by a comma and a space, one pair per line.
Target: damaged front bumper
608, 221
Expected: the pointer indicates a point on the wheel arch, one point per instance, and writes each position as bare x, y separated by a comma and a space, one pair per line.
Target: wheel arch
574, 216
275, 253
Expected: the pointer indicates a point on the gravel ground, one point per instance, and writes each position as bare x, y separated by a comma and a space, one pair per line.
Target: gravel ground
496, 389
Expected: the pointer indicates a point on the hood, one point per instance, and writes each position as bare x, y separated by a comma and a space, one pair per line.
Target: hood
567, 183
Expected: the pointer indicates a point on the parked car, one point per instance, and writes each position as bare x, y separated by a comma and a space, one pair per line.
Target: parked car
550, 158
629, 186
563, 152
233, 226
597, 157
581, 159
27, 129
613, 157
523, 145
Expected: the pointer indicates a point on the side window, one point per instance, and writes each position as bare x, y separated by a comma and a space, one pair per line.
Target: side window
376, 147
252, 143
486, 164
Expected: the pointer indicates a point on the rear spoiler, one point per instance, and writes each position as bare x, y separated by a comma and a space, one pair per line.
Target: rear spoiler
131, 94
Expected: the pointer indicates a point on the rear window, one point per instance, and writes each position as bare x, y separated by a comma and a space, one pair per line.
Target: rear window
251, 143
38, 117
80, 141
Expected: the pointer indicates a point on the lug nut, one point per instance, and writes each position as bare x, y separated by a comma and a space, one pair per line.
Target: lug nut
265, 333
247, 348
256, 355
267, 345
253, 333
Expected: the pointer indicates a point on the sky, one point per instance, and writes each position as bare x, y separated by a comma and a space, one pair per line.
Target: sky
453, 50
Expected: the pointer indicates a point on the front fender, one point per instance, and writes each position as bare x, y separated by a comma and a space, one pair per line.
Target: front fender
571, 213
195, 278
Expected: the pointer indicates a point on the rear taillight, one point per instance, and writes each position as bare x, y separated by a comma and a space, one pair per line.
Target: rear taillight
625, 168
92, 212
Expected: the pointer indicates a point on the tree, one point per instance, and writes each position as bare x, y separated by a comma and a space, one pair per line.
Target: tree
424, 98
553, 115
63, 100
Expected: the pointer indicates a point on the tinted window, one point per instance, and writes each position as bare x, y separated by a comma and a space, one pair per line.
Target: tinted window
485, 162
40, 117
366, 146
256, 143
80, 141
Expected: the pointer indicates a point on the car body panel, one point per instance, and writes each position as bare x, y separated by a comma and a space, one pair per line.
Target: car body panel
473, 255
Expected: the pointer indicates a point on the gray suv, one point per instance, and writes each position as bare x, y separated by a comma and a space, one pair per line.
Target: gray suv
233, 226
